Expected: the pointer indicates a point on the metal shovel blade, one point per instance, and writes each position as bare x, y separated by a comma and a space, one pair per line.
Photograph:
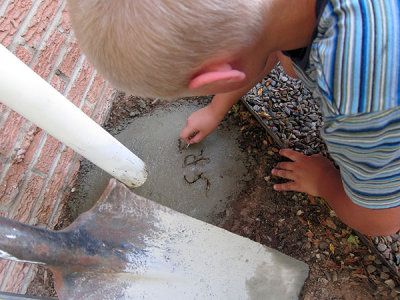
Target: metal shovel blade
128, 247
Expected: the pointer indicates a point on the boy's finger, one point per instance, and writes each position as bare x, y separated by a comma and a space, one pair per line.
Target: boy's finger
199, 136
285, 166
283, 173
186, 133
288, 186
291, 154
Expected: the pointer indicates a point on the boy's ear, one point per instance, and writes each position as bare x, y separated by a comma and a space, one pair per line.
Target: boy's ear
216, 75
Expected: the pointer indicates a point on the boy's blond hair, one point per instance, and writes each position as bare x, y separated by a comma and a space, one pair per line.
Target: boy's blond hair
150, 47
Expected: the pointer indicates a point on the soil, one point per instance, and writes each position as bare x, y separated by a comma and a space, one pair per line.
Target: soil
296, 224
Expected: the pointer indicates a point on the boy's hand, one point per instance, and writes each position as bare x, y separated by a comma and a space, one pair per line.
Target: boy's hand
199, 125
308, 174
316, 175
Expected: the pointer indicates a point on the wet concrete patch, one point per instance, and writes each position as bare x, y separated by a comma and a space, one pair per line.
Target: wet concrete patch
199, 181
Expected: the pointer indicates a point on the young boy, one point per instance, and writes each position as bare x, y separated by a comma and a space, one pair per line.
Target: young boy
346, 51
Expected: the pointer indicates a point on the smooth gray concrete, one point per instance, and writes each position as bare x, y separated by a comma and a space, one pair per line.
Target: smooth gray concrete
186, 256
198, 181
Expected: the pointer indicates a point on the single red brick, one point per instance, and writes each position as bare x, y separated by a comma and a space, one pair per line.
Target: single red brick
41, 21
66, 21
58, 83
47, 154
12, 18
49, 54
55, 186
70, 59
3, 268
88, 109
23, 54
104, 107
64, 163
30, 197
96, 88
30, 152
12, 182
80, 84
46, 208
10, 131
16, 277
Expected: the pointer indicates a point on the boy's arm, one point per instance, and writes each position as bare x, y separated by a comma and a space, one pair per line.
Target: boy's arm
316, 175
204, 121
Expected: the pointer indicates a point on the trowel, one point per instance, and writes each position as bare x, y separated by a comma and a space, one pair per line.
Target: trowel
129, 247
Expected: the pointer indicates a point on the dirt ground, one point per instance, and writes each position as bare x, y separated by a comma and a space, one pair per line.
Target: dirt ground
303, 227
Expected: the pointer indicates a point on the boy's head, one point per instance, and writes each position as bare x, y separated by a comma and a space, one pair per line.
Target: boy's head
155, 48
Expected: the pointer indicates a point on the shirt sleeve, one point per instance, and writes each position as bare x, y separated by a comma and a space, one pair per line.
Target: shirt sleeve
366, 147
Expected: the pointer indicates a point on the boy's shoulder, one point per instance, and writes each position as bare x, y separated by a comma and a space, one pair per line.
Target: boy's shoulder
352, 60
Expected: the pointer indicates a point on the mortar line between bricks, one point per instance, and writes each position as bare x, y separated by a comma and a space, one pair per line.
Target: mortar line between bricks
38, 173
49, 31
61, 192
89, 85
3, 7
23, 26
40, 198
74, 75
6, 166
10, 267
4, 115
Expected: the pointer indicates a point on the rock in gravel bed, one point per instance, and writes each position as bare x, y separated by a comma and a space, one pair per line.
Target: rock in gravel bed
289, 110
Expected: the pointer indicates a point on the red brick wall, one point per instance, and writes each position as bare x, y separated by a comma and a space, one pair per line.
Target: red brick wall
36, 171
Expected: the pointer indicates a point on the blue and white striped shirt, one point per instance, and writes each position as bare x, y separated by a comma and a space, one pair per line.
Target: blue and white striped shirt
353, 68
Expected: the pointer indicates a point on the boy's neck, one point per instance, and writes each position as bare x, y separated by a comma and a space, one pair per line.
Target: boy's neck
288, 24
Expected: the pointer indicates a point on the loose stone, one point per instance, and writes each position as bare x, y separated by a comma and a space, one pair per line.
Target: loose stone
390, 283
323, 246
381, 247
371, 269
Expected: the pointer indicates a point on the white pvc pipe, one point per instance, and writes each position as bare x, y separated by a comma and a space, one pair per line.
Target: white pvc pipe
28, 94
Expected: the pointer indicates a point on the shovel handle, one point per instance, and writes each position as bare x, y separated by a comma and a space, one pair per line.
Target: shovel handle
25, 92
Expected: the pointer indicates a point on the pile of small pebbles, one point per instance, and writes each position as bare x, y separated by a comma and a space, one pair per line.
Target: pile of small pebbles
287, 107
289, 110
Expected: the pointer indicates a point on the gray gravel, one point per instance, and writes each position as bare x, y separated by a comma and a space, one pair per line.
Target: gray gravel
289, 110
291, 113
